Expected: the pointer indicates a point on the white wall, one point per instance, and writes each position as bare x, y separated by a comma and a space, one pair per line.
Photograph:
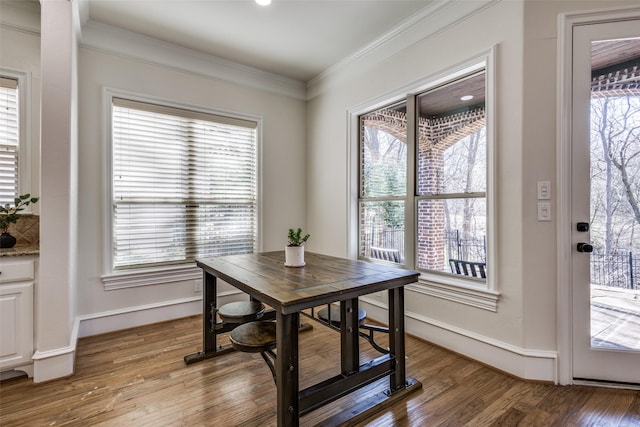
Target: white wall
539, 149
20, 52
79, 162
500, 25
283, 156
521, 336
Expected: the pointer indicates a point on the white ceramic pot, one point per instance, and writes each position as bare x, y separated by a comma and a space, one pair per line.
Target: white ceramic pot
294, 256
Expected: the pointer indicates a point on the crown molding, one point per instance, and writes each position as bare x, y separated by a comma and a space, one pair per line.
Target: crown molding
431, 20
441, 15
20, 16
117, 41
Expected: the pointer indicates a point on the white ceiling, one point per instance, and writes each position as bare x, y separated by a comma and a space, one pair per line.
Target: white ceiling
294, 38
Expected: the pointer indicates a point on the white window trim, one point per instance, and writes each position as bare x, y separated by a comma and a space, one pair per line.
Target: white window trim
24, 144
483, 295
170, 273
151, 276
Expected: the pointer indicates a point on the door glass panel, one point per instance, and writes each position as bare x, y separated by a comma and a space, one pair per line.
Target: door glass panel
615, 195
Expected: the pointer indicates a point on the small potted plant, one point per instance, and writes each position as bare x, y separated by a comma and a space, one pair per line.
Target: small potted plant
294, 251
9, 215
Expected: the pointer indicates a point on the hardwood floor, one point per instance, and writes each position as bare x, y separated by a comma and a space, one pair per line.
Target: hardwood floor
137, 377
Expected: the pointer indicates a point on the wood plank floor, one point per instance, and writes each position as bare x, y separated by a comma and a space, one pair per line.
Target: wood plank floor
137, 378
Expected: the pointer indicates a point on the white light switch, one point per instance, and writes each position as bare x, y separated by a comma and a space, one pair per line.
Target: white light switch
544, 211
544, 190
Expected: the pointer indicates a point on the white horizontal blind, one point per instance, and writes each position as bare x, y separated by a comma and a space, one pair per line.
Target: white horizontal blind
9, 139
184, 185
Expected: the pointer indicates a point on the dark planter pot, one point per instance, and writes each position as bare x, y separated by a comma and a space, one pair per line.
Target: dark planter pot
7, 240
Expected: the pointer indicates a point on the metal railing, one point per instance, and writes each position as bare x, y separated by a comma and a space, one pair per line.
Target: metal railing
618, 269
469, 249
382, 237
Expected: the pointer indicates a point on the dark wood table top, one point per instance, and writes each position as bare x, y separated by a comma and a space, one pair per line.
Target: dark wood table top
322, 280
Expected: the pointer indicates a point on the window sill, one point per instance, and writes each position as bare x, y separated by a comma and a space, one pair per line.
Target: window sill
156, 276
457, 291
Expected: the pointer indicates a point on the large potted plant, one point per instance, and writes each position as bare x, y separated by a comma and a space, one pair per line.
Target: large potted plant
9, 215
294, 251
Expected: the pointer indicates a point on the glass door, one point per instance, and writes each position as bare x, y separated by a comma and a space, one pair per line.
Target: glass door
606, 202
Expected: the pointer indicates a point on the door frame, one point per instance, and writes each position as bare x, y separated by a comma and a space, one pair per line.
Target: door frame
566, 22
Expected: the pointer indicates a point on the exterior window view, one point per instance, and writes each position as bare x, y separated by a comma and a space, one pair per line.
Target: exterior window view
450, 180
383, 183
184, 185
615, 198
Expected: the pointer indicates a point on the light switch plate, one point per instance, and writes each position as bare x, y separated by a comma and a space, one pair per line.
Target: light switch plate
544, 190
544, 211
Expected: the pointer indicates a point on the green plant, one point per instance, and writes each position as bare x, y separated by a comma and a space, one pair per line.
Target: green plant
295, 237
9, 214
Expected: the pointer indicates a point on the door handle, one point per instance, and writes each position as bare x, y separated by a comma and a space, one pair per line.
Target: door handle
584, 247
582, 226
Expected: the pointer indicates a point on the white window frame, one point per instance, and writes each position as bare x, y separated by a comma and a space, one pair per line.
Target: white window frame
187, 271
24, 144
483, 295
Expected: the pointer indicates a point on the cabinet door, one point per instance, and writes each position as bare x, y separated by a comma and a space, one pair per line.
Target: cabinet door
16, 324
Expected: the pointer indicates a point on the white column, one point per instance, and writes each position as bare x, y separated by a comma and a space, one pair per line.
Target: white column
56, 286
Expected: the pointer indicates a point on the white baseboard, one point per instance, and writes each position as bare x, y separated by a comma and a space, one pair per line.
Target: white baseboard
58, 363
533, 365
49, 365
537, 365
130, 317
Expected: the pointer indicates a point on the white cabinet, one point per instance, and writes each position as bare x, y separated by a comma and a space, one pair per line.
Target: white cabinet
17, 277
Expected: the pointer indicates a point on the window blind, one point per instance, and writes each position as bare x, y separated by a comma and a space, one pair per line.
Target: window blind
9, 139
184, 185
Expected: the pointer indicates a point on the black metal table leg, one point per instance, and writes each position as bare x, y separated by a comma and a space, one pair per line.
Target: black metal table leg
209, 330
349, 336
208, 320
397, 379
287, 369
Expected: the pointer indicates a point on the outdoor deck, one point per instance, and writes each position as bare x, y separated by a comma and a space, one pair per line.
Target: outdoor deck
615, 318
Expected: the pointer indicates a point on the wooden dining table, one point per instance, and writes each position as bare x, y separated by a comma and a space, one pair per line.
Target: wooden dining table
290, 290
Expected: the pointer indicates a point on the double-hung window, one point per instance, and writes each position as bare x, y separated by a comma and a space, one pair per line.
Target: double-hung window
183, 184
383, 183
424, 182
451, 178
9, 139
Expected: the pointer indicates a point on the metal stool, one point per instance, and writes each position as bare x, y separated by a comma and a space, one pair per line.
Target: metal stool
333, 316
241, 311
256, 337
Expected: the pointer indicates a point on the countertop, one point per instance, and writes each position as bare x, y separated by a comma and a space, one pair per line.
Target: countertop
20, 250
